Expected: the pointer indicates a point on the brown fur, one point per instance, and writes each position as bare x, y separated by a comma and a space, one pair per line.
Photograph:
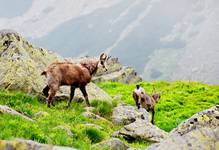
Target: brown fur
147, 102
75, 75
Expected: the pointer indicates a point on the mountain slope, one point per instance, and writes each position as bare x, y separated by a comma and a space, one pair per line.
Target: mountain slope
159, 38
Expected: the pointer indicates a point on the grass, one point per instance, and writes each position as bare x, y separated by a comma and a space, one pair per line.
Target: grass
179, 101
43, 129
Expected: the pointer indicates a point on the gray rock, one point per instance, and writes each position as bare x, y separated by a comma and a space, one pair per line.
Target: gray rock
93, 116
141, 130
199, 139
123, 115
112, 144
201, 132
29, 145
94, 93
207, 118
124, 75
8, 110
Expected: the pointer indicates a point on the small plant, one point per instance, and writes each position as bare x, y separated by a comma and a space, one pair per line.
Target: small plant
102, 108
94, 134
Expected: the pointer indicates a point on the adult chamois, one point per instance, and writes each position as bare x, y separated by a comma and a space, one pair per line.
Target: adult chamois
76, 75
145, 101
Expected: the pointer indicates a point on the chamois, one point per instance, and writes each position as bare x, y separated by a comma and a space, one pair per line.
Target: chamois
76, 75
147, 102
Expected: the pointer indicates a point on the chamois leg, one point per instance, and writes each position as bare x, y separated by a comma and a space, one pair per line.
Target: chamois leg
49, 99
153, 112
46, 91
71, 96
83, 90
135, 97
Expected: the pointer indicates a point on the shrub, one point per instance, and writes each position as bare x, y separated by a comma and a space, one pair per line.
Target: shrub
94, 134
102, 108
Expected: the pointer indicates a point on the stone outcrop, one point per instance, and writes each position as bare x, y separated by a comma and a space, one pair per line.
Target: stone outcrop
112, 144
8, 110
201, 131
94, 93
29, 145
141, 130
123, 115
117, 73
21, 64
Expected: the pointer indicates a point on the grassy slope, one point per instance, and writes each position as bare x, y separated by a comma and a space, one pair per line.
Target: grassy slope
179, 100
43, 129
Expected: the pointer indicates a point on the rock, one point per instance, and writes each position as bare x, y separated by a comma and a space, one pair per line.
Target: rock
125, 75
116, 73
21, 64
29, 145
41, 114
201, 131
8, 110
112, 144
207, 118
64, 128
123, 115
94, 93
141, 130
93, 116
203, 138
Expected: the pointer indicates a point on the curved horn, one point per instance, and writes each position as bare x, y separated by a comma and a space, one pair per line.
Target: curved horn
103, 56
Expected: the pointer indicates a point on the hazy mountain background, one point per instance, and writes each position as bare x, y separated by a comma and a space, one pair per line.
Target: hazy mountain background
161, 39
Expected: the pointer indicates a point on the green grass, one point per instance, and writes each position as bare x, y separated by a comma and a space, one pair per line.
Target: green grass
43, 129
179, 100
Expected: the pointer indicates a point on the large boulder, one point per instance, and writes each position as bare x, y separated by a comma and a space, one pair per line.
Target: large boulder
8, 110
201, 131
112, 144
29, 145
21, 64
207, 118
123, 115
117, 73
141, 130
94, 93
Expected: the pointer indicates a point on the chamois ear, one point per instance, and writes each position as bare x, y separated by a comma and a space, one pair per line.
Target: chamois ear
108, 58
103, 56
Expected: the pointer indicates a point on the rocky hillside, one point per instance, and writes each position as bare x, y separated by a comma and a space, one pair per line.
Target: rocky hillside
161, 39
22, 63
